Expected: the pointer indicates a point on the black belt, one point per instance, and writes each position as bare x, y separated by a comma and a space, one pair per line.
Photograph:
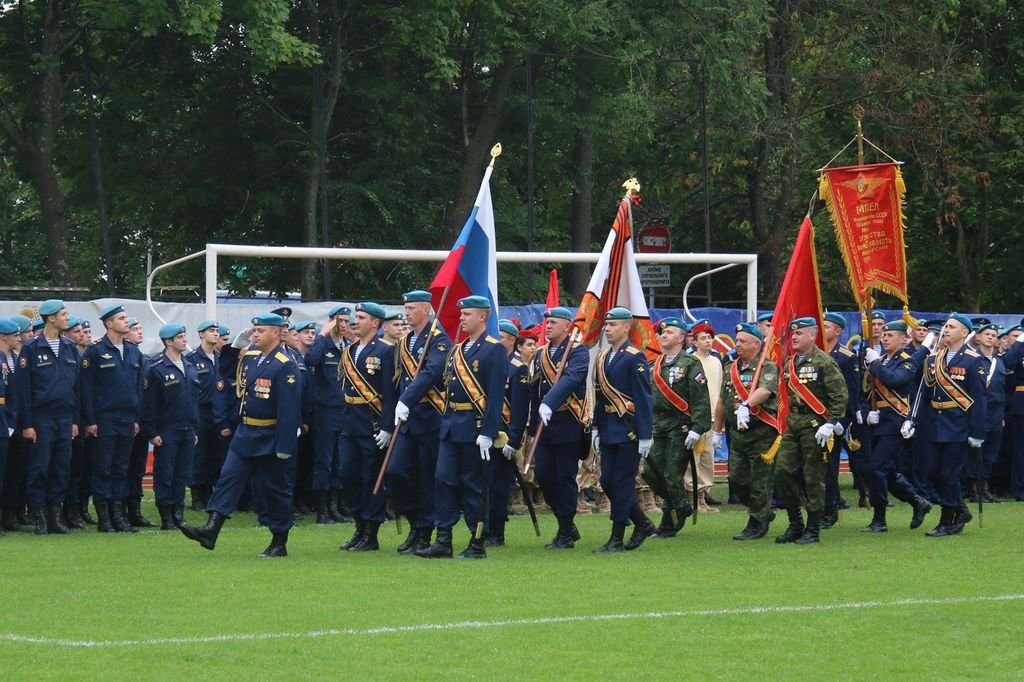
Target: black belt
801, 409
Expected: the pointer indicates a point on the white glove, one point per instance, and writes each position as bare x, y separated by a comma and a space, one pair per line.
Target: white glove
975, 442
907, 430
873, 417
545, 413
691, 439
838, 429
382, 439
860, 417
401, 413
242, 338
10, 431
742, 417
717, 439
595, 441
645, 447
509, 452
929, 341
822, 435
283, 455
484, 443
870, 355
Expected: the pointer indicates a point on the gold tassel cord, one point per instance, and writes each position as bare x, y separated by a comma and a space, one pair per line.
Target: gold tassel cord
769, 455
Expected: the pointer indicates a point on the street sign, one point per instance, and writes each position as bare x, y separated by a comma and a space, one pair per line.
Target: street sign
654, 276
654, 238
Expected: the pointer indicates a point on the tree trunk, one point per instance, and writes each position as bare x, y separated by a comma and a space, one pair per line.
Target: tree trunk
582, 198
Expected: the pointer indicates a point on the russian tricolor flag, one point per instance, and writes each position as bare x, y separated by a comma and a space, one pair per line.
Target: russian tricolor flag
471, 268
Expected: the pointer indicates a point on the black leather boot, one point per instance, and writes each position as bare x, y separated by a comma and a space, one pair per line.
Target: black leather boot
72, 519
961, 517
103, 513
278, 546
761, 528
748, 532
356, 536
921, 508
643, 528
986, 494
39, 520
830, 518
496, 536
323, 509
665, 525
877, 524
475, 550
422, 540
205, 535
83, 512
198, 498
118, 520
368, 543
55, 520
812, 531
409, 543
614, 543
971, 492
442, 547
166, 516
945, 526
10, 521
564, 537
179, 514
135, 516
334, 507
795, 529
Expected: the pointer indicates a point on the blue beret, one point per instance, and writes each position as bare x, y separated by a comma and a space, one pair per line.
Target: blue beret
169, 331
8, 326
877, 315
268, 320
1014, 328
748, 328
38, 324
803, 323
895, 326
765, 317
74, 321
559, 313
111, 310
132, 321
507, 327
836, 319
304, 325
86, 324
50, 307
480, 302
962, 319
291, 326
619, 313
206, 324
394, 315
702, 320
671, 322
417, 296
340, 310
935, 325
222, 330
371, 308
24, 324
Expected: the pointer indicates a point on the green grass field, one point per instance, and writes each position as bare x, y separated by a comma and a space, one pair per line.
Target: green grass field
701, 605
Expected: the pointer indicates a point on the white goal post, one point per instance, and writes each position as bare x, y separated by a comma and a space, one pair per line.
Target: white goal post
213, 251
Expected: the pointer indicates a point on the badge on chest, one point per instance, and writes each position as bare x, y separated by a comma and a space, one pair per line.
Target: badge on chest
261, 389
807, 374
958, 373
373, 365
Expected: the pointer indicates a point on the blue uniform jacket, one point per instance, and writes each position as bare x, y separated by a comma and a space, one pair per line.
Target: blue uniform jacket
1014, 361
44, 384
170, 399
322, 362
376, 365
952, 424
517, 395
210, 384
423, 417
488, 362
563, 427
8, 415
306, 380
898, 374
111, 385
995, 391
628, 373
271, 407
849, 365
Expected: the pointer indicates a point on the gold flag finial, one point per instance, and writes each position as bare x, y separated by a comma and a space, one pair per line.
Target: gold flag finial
632, 186
495, 153
858, 116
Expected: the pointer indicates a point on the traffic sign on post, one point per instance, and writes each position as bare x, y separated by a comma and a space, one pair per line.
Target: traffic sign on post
654, 237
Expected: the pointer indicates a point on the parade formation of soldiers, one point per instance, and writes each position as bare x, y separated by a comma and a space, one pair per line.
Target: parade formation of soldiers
372, 416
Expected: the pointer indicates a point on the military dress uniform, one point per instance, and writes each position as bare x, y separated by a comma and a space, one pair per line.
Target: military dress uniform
209, 455
367, 384
8, 412
623, 419
681, 404
270, 417
112, 385
818, 395
1014, 361
977, 473
752, 452
558, 454
410, 474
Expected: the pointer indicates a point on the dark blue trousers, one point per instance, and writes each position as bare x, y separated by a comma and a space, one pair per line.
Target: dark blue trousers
410, 477
924, 468
4, 445
14, 478
883, 474
327, 450
208, 457
619, 464
49, 460
458, 486
78, 469
360, 463
137, 466
989, 453
111, 452
271, 488
556, 469
1017, 461
503, 478
949, 464
172, 463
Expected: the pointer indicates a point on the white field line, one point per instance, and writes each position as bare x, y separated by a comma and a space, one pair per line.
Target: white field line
486, 624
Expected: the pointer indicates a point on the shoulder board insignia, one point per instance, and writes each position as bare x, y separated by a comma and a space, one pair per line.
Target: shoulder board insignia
437, 332
632, 350
385, 341
971, 353
516, 362
843, 350
252, 352
281, 357
490, 339
904, 355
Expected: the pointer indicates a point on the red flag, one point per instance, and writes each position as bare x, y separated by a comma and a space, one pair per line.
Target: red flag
800, 296
552, 300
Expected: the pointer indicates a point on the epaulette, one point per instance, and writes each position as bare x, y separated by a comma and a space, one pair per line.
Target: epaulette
632, 350
904, 355
971, 353
437, 331
253, 352
843, 350
516, 362
385, 341
281, 357
490, 339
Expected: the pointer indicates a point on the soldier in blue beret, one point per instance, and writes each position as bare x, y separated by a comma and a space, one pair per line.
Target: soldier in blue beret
37, 326
297, 341
113, 373
140, 444
978, 470
341, 315
1013, 358
834, 325
476, 373
264, 442
421, 357
47, 394
367, 373
877, 323
561, 406
14, 492
622, 428
78, 481
393, 328
764, 323
9, 331
209, 454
